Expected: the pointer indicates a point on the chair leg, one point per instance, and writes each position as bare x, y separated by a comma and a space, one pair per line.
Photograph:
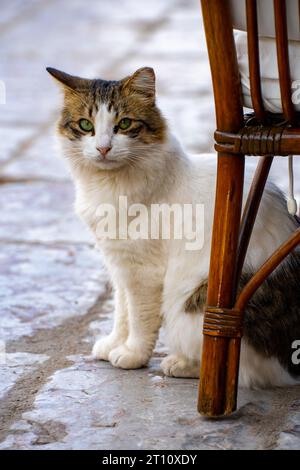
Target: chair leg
251, 208
222, 324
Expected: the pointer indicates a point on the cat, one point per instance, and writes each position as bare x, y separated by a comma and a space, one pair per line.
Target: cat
117, 144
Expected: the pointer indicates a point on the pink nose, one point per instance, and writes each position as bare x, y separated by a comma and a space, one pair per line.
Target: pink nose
103, 150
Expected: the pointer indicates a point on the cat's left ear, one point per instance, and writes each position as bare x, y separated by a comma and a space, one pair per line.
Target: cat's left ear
142, 82
69, 81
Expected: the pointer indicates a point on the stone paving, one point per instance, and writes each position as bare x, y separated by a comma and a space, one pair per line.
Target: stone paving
55, 293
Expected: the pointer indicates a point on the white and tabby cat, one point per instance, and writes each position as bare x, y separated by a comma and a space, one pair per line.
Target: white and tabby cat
118, 144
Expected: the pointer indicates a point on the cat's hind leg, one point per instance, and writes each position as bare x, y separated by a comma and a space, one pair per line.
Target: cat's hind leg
119, 334
184, 340
176, 365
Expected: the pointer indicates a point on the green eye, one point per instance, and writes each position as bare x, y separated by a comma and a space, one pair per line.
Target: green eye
125, 123
86, 125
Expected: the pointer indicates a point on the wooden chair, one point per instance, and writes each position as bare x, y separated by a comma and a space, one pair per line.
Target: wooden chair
265, 135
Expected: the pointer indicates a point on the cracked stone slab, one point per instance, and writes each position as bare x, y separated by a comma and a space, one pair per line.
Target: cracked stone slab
96, 406
32, 99
40, 161
48, 272
40, 212
44, 285
11, 140
173, 41
14, 9
14, 366
289, 438
185, 116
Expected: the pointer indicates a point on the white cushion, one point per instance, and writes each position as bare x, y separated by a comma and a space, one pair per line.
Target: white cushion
268, 71
265, 17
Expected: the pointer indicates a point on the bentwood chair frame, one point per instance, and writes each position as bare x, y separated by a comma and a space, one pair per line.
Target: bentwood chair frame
265, 135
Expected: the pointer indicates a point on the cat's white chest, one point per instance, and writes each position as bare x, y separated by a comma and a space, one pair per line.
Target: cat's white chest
120, 236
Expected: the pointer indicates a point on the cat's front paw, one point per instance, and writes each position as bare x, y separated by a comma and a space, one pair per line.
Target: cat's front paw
126, 358
176, 365
104, 346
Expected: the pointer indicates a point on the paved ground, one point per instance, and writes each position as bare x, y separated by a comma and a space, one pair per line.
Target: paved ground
55, 293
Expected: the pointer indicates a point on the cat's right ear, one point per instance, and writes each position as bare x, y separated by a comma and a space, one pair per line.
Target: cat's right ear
69, 81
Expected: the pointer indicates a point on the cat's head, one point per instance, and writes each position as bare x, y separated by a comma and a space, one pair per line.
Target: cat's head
109, 124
